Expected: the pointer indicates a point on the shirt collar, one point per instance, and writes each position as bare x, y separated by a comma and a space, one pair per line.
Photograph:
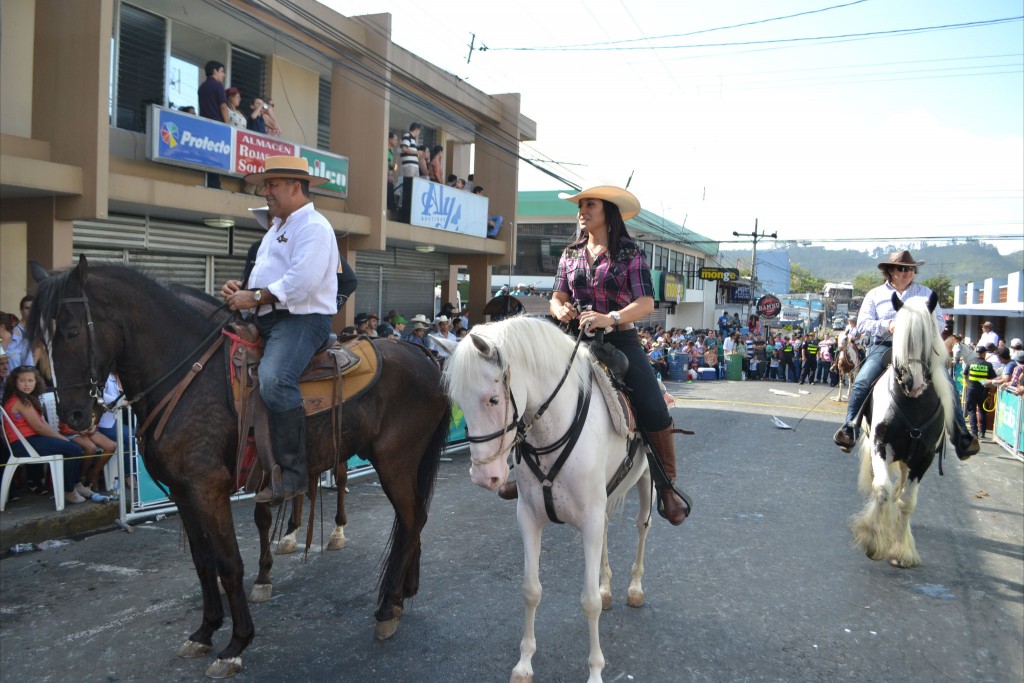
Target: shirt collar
305, 208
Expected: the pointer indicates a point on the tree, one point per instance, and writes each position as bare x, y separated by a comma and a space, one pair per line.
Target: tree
862, 282
801, 280
943, 286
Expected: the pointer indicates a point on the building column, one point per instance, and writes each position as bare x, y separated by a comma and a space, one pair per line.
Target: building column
479, 286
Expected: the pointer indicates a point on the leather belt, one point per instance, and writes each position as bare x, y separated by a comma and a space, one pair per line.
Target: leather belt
623, 327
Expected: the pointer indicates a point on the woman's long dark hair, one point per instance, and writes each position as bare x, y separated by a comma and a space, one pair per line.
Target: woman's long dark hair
11, 387
616, 229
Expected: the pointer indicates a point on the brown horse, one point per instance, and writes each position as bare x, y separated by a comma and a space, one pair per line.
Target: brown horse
111, 318
846, 364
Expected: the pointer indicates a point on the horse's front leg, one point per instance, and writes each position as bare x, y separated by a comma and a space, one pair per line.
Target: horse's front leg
635, 593
873, 528
262, 589
904, 551
593, 528
212, 514
606, 570
337, 539
531, 529
201, 641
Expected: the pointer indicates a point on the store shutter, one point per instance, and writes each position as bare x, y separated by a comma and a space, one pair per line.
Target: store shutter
323, 116
398, 279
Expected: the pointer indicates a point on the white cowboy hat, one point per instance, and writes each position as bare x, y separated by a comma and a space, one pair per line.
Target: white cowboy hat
629, 205
441, 319
419, 319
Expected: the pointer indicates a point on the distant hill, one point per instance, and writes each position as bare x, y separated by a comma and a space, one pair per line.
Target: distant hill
970, 261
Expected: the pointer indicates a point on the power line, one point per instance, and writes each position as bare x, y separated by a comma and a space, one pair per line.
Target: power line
772, 41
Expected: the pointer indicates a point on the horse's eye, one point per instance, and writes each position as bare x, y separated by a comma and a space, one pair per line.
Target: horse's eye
71, 334
493, 400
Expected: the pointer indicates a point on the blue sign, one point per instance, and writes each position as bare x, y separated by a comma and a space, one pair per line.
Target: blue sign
189, 140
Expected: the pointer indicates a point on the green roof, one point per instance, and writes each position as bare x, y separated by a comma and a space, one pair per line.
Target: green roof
648, 227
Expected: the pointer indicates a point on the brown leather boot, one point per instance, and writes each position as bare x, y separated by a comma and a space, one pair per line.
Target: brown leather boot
672, 507
509, 490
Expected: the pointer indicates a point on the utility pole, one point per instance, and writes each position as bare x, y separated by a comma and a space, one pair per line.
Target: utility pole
753, 258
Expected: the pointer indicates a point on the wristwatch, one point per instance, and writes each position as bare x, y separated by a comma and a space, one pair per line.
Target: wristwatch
615, 316
257, 294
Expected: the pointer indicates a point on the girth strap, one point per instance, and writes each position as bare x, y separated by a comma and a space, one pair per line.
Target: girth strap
531, 455
624, 467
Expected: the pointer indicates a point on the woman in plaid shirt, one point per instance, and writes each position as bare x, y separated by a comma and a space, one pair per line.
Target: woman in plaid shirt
603, 281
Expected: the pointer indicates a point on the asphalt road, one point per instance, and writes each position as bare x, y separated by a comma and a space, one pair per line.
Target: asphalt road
761, 584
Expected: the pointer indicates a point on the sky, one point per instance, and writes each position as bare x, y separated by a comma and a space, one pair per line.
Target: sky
816, 133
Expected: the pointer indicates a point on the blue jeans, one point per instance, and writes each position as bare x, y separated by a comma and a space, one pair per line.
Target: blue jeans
48, 445
289, 342
870, 369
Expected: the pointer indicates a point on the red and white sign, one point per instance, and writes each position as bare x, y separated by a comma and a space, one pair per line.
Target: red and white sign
252, 149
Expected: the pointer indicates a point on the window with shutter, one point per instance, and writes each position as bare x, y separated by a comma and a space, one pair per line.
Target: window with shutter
323, 119
247, 72
142, 46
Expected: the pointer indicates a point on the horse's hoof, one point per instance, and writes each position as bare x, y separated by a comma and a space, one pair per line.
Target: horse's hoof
635, 598
521, 678
606, 601
261, 592
193, 649
386, 629
224, 668
336, 540
286, 545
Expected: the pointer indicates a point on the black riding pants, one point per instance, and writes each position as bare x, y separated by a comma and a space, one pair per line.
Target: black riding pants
645, 394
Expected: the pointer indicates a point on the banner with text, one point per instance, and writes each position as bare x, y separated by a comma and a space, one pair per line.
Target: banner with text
182, 139
442, 207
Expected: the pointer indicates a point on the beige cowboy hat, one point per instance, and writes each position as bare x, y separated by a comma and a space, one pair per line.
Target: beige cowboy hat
292, 168
899, 258
629, 205
420, 319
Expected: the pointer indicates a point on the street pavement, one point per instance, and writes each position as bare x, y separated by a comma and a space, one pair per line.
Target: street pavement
762, 583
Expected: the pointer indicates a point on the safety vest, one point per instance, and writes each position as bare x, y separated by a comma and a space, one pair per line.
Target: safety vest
978, 372
812, 348
788, 348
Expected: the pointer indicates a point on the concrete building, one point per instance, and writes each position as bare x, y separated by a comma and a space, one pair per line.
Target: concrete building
89, 92
675, 254
996, 300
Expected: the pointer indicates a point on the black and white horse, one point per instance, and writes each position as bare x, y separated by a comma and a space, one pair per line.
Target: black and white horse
912, 407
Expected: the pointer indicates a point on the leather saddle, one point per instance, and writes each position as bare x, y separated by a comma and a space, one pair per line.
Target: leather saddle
337, 372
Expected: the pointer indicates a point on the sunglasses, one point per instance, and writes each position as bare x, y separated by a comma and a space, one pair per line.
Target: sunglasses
905, 269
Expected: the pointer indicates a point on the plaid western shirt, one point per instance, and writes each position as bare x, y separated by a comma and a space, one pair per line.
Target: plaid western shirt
609, 285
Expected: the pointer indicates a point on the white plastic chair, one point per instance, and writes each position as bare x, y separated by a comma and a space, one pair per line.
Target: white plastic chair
56, 464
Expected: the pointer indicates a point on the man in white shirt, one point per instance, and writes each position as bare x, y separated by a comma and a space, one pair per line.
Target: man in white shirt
443, 330
987, 335
294, 290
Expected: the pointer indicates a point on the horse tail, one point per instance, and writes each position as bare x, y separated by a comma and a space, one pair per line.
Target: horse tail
403, 549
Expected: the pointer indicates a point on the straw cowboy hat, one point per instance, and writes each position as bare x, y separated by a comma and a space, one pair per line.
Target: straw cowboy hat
292, 168
629, 205
899, 258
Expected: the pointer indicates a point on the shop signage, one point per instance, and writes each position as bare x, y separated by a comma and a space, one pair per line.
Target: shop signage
769, 306
442, 207
741, 293
181, 139
675, 288
723, 274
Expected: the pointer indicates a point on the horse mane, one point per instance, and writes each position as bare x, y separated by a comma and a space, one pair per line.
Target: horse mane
55, 288
916, 336
536, 346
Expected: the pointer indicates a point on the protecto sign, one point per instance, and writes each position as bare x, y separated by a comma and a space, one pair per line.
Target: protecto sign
769, 306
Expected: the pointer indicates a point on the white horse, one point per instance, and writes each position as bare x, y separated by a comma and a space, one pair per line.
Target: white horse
846, 363
520, 387
912, 406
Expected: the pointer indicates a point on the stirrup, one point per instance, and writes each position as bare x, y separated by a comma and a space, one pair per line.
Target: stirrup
687, 501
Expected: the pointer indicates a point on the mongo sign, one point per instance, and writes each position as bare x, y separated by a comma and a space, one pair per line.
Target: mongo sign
769, 306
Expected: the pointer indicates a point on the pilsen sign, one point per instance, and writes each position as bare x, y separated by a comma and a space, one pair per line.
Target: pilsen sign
723, 274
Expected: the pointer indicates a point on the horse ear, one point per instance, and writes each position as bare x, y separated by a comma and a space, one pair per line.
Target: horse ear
933, 301
82, 268
482, 345
897, 302
38, 272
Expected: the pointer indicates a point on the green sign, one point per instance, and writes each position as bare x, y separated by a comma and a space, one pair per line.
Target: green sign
330, 166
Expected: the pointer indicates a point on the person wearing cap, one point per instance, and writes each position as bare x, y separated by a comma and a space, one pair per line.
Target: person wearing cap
293, 292
987, 335
603, 281
977, 378
875, 322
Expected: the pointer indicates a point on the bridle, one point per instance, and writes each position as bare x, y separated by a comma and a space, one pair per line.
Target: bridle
93, 383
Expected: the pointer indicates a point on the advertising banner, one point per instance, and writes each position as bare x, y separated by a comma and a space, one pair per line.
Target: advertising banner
675, 287
769, 306
252, 149
723, 274
1008, 419
185, 140
442, 207
330, 166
